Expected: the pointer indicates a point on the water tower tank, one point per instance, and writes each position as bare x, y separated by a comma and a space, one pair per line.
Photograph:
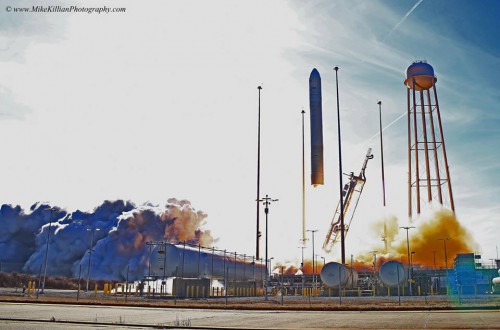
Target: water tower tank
422, 73
392, 273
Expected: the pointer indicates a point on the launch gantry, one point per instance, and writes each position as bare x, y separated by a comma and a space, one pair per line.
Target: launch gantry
350, 195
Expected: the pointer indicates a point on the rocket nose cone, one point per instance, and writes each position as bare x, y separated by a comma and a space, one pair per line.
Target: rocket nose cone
314, 74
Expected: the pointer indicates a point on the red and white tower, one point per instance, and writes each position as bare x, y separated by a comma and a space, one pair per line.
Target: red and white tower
428, 171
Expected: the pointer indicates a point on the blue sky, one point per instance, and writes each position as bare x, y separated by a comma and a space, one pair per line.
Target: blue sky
161, 102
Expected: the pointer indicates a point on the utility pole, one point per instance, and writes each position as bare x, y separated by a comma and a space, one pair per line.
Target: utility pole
267, 201
46, 257
313, 265
408, 247
93, 230
302, 260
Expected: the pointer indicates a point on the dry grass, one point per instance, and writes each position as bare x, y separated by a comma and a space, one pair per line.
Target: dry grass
258, 303
13, 280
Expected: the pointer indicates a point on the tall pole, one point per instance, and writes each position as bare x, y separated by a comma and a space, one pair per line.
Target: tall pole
408, 114
314, 266
257, 252
383, 174
90, 255
342, 231
382, 152
267, 201
409, 265
46, 252
303, 186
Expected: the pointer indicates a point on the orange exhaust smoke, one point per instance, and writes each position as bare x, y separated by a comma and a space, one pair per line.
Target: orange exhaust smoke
425, 240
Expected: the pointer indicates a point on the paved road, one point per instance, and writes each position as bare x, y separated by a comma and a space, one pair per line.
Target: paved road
244, 319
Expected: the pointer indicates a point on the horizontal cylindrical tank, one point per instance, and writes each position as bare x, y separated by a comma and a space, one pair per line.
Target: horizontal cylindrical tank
496, 280
392, 273
420, 76
334, 274
178, 261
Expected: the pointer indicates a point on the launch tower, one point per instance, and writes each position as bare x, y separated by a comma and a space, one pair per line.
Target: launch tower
428, 170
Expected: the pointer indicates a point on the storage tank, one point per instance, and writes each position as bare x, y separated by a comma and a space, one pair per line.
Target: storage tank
189, 262
496, 280
422, 73
332, 274
392, 273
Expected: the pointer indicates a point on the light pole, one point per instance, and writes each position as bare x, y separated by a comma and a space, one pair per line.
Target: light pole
383, 174
93, 230
381, 150
303, 187
342, 232
302, 260
312, 231
411, 263
257, 252
408, 247
374, 269
324, 262
267, 201
270, 265
46, 257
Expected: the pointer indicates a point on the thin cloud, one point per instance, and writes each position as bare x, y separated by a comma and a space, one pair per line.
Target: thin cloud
402, 19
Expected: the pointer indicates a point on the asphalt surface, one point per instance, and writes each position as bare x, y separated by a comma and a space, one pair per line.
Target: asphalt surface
25, 315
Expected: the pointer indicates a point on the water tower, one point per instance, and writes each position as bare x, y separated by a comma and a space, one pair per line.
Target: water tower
428, 171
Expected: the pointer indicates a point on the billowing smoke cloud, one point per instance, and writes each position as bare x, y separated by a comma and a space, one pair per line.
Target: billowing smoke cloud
18, 230
120, 232
426, 240
290, 268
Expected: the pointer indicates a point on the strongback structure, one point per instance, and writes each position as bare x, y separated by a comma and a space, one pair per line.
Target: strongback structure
428, 171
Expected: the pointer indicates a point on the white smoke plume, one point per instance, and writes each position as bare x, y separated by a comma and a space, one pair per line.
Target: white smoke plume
121, 231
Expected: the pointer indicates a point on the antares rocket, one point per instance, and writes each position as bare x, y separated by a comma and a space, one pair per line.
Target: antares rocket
317, 176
